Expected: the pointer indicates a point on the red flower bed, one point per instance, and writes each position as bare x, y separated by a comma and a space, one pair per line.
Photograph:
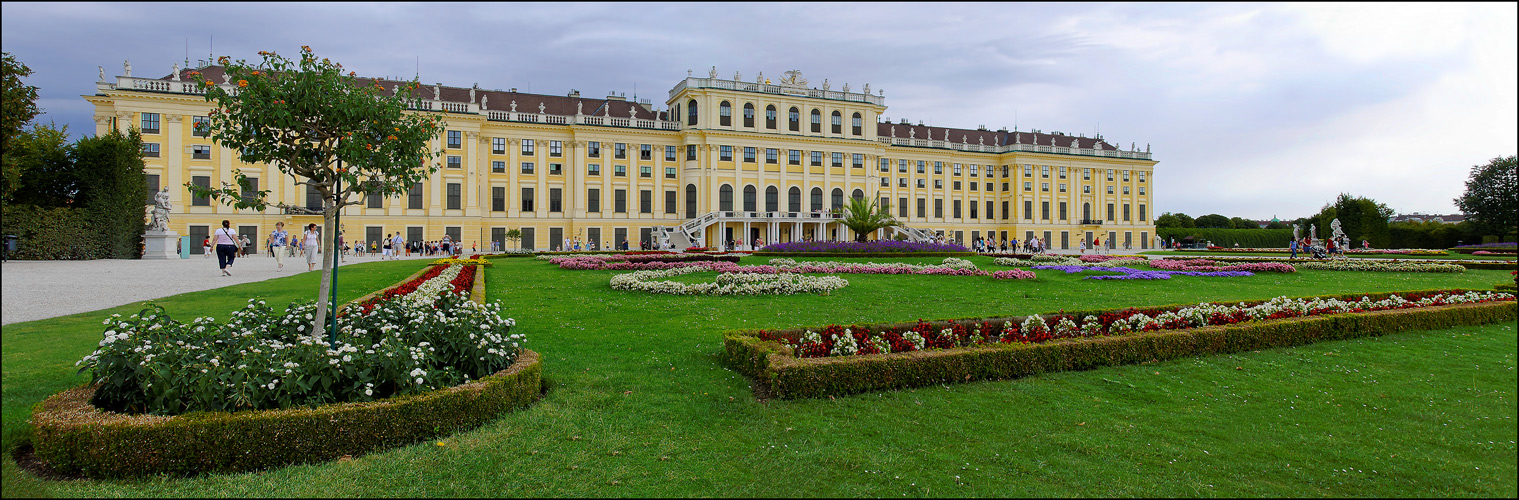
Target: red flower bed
464, 283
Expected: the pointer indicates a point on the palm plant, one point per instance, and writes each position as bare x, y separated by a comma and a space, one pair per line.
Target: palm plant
864, 217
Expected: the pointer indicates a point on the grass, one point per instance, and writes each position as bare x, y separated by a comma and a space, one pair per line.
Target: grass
1300, 255
638, 404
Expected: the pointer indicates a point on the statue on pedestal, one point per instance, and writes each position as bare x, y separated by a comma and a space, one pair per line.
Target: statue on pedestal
161, 208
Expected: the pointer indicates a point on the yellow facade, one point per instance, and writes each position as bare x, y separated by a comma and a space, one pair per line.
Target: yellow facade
687, 161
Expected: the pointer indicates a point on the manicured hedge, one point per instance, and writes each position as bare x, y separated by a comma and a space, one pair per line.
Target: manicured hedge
73, 437
873, 255
786, 376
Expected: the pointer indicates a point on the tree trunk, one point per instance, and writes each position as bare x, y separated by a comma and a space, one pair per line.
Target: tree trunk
329, 240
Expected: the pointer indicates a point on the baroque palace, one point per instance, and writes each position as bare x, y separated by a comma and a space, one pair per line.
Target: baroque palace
726, 160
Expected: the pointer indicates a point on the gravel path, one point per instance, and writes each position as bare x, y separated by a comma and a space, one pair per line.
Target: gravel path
41, 289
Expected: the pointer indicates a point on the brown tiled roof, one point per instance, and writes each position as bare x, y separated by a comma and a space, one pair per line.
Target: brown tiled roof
990, 137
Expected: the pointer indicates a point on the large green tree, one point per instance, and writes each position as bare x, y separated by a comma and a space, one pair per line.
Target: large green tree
333, 133
864, 217
114, 190
1214, 221
1363, 219
1492, 196
1178, 219
19, 106
45, 176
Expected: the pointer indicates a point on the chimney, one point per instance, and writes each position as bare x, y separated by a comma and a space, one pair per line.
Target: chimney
574, 93
981, 127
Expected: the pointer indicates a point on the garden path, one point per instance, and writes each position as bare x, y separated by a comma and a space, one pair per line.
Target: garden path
41, 289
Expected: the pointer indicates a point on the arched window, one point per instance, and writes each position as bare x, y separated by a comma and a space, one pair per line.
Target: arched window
838, 198
690, 201
748, 114
837, 122
725, 114
725, 198
749, 198
770, 117
772, 199
856, 123
857, 194
817, 122
691, 112
794, 199
817, 198
795, 118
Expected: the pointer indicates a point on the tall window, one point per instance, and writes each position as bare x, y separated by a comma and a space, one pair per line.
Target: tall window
922, 208
620, 150
527, 199
794, 199
817, 121
816, 199
749, 154
955, 208
794, 157
725, 153
902, 207
1028, 210
204, 181
772, 155
592, 200
772, 199
1044, 210
770, 117
837, 198
454, 189
593, 149
725, 114
645, 152
749, 199
855, 124
498, 199
793, 117
817, 158
690, 201
669, 153
556, 200
414, 197
837, 122
838, 159
859, 160
669, 201
454, 139
620, 201
725, 198
691, 112
556, 148
645, 201
748, 114
150, 123
939, 208
690, 152
498, 145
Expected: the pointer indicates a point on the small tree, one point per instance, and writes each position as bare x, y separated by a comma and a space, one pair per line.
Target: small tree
20, 106
863, 217
1492, 196
331, 132
513, 235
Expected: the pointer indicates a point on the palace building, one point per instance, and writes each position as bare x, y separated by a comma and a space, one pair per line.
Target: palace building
725, 159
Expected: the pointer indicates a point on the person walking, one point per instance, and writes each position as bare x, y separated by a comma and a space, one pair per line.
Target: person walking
277, 241
395, 245
1293, 248
385, 248
226, 247
1096, 244
312, 240
205, 247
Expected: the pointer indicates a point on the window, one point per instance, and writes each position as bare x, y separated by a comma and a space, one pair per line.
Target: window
1086, 189
593, 200
150, 149
938, 183
957, 185
855, 124
645, 152
1062, 211
725, 198
527, 146
593, 149
1028, 186
956, 171
1126, 176
1044, 186
748, 114
1141, 177
837, 198
374, 200
972, 185
313, 199
955, 208
414, 197
973, 170
203, 181
620, 201
1044, 210
939, 208
772, 199
988, 187
669, 172
455, 161
725, 153
556, 148
1110, 212
816, 198
150, 123
690, 152
453, 195
838, 159
794, 157
200, 126
593, 169
498, 145
1028, 171
1062, 187
454, 139
527, 199
153, 187
794, 118
669, 153
772, 155
1110, 189
1125, 212
902, 207
885, 182
1004, 171
669, 201
725, 114
1110, 175
750, 201
972, 209
1004, 211
1141, 212
749, 154
527, 167
1044, 171
902, 181
690, 201
938, 168
1086, 174
556, 169
1004, 187
645, 171
921, 184
1125, 190
770, 117
1062, 172
1028, 210
817, 122
859, 160
1141, 190
620, 151
794, 199
922, 208
498, 199
619, 170
837, 122
498, 167
691, 112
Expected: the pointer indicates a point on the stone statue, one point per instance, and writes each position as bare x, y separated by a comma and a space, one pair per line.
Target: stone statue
1132, 147
1074, 144
893, 131
540, 107
1334, 229
579, 108
1017, 138
712, 74
226, 78
760, 78
1097, 146
964, 139
825, 84
436, 93
126, 66
102, 72
1313, 231
846, 87
176, 72
736, 76
472, 92
161, 208
395, 89
482, 101
981, 140
867, 88
1296, 232
946, 135
793, 78
514, 106
688, 73
912, 133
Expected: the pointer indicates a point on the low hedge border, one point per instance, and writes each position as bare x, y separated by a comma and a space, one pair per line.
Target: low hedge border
772, 366
864, 254
73, 437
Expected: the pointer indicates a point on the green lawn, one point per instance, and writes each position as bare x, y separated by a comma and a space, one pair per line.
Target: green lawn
638, 404
1450, 256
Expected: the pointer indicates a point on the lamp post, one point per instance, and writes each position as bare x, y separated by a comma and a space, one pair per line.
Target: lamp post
332, 288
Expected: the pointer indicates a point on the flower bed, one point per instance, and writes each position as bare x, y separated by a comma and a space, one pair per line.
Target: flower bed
844, 360
1014, 274
1288, 251
727, 283
1129, 273
872, 247
1054, 260
1209, 265
1485, 252
1505, 246
1395, 267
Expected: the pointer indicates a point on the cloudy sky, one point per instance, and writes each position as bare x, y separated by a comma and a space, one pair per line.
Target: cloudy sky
1252, 110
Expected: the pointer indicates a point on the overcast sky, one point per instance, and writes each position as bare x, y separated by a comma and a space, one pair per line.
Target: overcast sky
1252, 110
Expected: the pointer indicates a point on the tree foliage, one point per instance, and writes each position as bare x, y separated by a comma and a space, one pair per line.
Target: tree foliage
1176, 220
95, 187
341, 137
1214, 221
1492, 196
1363, 219
44, 174
19, 107
114, 190
864, 217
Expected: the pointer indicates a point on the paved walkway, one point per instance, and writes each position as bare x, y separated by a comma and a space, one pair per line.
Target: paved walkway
41, 289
